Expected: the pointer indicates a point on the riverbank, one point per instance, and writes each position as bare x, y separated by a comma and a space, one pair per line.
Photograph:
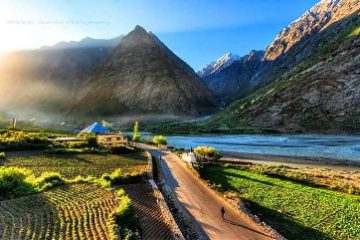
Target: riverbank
312, 162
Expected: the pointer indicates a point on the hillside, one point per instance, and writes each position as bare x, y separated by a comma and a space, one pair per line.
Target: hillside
318, 91
141, 75
286, 51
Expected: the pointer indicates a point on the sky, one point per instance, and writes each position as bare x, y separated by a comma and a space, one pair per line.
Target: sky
198, 31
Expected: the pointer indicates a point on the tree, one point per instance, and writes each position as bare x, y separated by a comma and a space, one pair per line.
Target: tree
160, 139
136, 133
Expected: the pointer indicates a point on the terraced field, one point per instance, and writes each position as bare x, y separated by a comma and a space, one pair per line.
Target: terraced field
72, 165
73, 211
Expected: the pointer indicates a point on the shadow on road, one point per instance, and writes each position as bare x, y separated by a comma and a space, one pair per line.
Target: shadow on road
240, 225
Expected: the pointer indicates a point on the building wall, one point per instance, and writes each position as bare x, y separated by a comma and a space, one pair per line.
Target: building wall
111, 140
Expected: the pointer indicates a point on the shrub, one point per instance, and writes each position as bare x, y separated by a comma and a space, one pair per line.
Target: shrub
2, 155
91, 140
160, 139
15, 182
207, 153
124, 216
122, 149
49, 179
149, 140
19, 140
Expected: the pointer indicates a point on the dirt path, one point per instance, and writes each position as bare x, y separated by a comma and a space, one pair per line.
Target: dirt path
204, 205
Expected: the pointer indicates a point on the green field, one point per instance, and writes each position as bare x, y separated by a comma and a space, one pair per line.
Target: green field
72, 165
295, 210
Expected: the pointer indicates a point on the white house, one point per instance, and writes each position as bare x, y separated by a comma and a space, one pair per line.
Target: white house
189, 157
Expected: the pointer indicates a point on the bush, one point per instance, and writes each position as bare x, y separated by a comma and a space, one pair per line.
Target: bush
2, 155
49, 179
91, 140
124, 216
15, 182
207, 153
149, 140
122, 149
19, 140
160, 139
118, 178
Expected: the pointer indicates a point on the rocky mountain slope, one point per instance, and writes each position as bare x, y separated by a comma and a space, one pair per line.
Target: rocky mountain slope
224, 61
228, 82
141, 75
277, 61
311, 84
314, 20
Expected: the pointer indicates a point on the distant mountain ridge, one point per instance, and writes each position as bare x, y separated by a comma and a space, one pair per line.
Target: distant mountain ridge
86, 43
224, 61
229, 82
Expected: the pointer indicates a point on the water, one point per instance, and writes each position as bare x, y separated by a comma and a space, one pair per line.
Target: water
327, 146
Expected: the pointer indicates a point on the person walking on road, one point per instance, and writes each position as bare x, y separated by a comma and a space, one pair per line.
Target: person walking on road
222, 210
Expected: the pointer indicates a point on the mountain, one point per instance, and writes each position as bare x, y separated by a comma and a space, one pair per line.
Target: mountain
276, 60
310, 83
218, 65
229, 82
141, 75
46, 79
314, 20
86, 43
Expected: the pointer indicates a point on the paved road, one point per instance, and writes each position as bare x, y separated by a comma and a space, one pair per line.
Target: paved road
204, 205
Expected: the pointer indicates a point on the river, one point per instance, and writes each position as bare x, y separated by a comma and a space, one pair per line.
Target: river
310, 145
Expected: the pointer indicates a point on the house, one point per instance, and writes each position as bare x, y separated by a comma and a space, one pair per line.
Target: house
111, 139
104, 137
189, 157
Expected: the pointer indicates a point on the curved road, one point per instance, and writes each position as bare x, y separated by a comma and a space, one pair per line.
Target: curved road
204, 205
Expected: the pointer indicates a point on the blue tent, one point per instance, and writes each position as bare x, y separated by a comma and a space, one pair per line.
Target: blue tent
95, 128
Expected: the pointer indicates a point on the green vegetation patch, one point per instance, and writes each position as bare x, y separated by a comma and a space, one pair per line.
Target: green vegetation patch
19, 140
355, 32
125, 219
72, 165
295, 210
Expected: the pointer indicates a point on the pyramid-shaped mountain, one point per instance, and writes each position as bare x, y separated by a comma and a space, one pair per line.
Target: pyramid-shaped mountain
141, 75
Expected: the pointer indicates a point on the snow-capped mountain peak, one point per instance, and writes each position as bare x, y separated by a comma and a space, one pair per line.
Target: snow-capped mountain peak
224, 61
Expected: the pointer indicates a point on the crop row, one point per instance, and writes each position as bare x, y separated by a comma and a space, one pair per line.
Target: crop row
77, 211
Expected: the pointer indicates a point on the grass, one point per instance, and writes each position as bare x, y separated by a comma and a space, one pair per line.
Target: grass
295, 210
72, 165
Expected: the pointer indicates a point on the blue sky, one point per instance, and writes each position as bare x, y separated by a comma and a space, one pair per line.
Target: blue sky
198, 31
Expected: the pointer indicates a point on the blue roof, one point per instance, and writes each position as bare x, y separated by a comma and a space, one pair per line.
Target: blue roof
95, 128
